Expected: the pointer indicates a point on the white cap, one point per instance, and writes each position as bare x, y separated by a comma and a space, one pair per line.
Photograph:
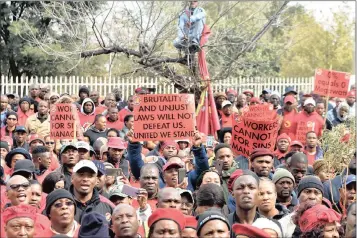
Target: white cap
310, 101
225, 103
275, 93
83, 144
85, 164
265, 223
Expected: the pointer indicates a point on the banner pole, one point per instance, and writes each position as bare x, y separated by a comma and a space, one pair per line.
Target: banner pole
328, 95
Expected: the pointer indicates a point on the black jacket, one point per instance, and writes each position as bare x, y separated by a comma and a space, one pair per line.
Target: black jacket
95, 204
94, 134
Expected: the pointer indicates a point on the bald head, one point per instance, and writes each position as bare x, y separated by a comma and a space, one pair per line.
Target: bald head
16, 179
124, 207
18, 190
169, 198
125, 221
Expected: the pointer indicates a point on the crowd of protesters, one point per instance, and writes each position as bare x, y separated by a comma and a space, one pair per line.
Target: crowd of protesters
103, 184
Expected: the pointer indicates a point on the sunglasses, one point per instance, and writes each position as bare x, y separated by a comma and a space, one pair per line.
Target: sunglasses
50, 143
17, 186
12, 119
59, 205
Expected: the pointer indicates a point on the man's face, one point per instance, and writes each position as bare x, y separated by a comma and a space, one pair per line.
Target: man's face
101, 123
83, 95
311, 140
266, 196
130, 123
113, 113
311, 195
43, 108
62, 212
231, 97
262, 165
16, 158
186, 205
215, 229
288, 106
88, 107
170, 199
320, 108
94, 96
125, 223
19, 191
193, 4
43, 92
219, 100
131, 103
227, 110
166, 229
296, 148
171, 176
298, 170
284, 188
266, 96
242, 100
169, 151
309, 108
53, 99
283, 145
116, 200
348, 195
274, 99
149, 180
225, 155
245, 192
4, 102
84, 181
100, 181
45, 160
20, 227
350, 100
25, 106
34, 144
70, 157
20, 137
115, 154
109, 100
34, 91
189, 233
36, 193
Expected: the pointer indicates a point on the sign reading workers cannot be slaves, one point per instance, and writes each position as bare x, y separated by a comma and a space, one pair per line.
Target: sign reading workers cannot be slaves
63, 121
164, 117
331, 83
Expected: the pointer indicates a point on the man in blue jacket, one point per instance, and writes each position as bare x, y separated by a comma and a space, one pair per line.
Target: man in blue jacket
136, 162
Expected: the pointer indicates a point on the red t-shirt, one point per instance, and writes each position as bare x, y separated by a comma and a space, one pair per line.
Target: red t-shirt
123, 112
313, 119
289, 124
117, 124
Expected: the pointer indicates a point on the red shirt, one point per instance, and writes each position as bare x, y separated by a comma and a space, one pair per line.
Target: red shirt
279, 154
226, 121
54, 162
86, 120
5, 132
23, 116
289, 124
41, 177
100, 109
116, 124
310, 158
123, 112
313, 119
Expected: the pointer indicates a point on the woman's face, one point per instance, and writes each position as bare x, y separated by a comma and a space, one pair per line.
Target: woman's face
59, 184
227, 138
331, 230
343, 112
11, 120
211, 177
324, 175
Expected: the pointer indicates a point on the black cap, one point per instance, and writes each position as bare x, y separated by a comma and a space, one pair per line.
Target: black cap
24, 166
20, 129
55, 195
22, 151
289, 89
209, 216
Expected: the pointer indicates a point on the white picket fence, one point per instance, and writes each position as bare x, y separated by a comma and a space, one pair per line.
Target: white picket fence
103, 85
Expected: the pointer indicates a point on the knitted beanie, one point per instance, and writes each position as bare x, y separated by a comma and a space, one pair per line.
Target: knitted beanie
54, 196
282, 173
3, 144
93, 224
310, 181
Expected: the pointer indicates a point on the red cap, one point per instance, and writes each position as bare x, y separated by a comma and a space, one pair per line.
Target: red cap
255, 99
236, 174
351, 93
169, 143
290, 99
141, 91
296, 142
172, 164
191, 222
249, 230
284, 136
260, 152
168, 214
34, 137
249, 92
117, 143
316, 216
22, 210
307, 95
231, 91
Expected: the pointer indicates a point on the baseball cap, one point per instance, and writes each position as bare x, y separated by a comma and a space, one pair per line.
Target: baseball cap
65, 147
100, 166
349, 179
85, 164
24, 166
83, 145
266, 90
226, 103
296, 142
20, 129
117, 143
290, 99
185, 191
310, 101
290, 89
117, 191
35, 137
170, 165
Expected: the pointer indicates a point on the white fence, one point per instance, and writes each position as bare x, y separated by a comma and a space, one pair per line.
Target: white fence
104, 85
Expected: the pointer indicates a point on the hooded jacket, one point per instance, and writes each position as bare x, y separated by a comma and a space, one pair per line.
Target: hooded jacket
333, 116
93, 134
86, 119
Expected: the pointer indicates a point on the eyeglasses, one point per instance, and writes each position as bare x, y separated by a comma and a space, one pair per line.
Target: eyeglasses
17, 186
12, 119
59, 205
50, 143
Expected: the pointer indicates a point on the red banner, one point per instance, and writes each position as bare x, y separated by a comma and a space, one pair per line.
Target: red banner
63, 121
338, 81
164, 117
260, 112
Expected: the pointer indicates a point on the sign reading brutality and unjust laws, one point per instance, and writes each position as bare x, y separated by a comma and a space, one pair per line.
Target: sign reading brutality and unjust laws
339, 82
164, 116
249, 133
63, 121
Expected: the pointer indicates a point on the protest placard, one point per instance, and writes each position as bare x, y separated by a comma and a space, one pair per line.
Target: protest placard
260, 112
63, 121
338, 81
249, 134
303, 128
164, 117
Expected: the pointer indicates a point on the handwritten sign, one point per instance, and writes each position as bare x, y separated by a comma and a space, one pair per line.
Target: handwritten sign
260, 112
338, 81
164, 117
249, 134
63, 121
303, 128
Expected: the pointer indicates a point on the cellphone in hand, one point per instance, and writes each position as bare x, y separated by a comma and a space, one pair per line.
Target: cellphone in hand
181, 175
219, 166
114, 172
130, 191
210, 140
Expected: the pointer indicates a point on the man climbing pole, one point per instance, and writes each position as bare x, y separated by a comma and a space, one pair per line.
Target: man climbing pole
191, 23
